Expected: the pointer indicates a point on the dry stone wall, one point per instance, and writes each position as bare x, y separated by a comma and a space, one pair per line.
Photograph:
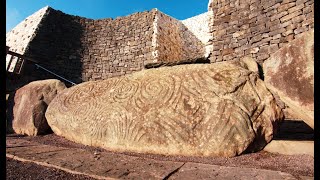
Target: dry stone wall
174, 42
117, 47
19, 38
199, 26
82, 49
57, 45
256, 27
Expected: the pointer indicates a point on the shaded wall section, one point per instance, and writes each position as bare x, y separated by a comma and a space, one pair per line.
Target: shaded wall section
57, 45
82, 49
19, 37
257, 27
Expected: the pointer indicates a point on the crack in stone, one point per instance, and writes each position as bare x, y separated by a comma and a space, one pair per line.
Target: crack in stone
173, 172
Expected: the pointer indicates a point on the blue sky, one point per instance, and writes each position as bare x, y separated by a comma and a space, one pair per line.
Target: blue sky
18, 10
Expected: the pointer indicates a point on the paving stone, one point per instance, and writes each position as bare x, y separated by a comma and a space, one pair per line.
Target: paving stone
108, 165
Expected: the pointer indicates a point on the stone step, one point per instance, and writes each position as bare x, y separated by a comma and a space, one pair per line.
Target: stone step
288, 147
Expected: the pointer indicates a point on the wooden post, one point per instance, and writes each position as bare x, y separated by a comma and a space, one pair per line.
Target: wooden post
7, 49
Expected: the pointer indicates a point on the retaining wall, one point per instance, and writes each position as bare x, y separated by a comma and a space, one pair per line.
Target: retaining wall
174, 42
256, 28
82, 49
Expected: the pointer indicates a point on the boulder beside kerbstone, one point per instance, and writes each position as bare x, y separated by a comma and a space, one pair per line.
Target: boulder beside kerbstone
218, 109
289, 72
30, 104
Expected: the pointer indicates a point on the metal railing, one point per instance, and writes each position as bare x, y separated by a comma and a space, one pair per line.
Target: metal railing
38, 66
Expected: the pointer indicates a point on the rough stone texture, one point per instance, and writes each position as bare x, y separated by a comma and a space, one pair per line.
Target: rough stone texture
82, 49
202, 110
202, 171
290, 147
30, 104
199, 26
174, 43
290, 73
117, 47
19, 37
296, 165
107, 165
251, 64
256, 28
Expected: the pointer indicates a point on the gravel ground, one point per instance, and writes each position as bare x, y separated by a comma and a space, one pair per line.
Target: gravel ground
297, 165
30, 171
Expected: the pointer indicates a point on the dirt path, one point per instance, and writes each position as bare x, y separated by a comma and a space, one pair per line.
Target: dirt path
31, 171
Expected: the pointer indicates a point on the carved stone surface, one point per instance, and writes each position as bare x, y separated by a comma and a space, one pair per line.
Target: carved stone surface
290, 73
30, 104
195, 110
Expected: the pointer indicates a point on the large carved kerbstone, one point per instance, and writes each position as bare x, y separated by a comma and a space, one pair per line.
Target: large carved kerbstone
216, 109
30, 104
289, 72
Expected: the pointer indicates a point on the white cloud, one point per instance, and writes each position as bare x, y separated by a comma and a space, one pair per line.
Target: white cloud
12, 18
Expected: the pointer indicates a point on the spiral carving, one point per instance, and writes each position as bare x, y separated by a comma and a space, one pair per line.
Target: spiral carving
154, 91
198, 110
124, 90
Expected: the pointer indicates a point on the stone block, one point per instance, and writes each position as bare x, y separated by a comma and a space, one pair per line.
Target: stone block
285, 24
227, 51
307, 22
299, 2
30, 104
295, 8
300, 30
160, 123
290, 73
284, 7
279, 15
273, 48
278, 31
290, 16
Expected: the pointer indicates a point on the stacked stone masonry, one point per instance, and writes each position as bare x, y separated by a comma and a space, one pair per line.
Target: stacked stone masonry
23, 33
82, 49
256, 28
116, 47
175, 43
199, 26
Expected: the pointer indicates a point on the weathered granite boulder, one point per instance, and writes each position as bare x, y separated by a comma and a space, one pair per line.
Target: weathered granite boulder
216, 109
30, 104
289, 72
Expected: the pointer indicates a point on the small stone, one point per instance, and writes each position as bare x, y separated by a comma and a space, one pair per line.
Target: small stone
254, 50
